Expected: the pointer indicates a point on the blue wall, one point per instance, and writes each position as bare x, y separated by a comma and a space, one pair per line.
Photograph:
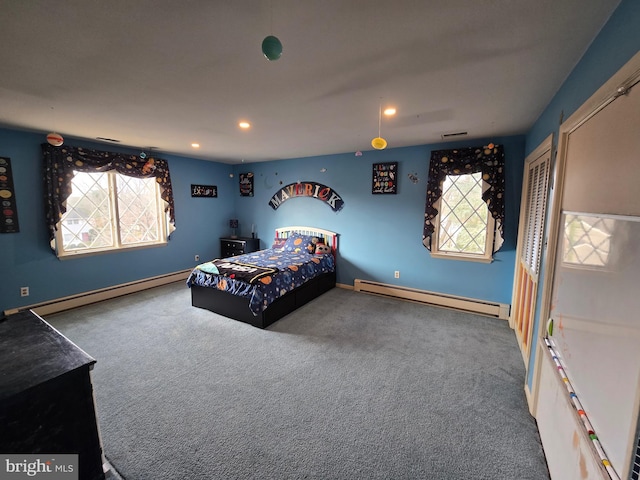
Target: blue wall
617, 42
378, 233
383, 233
27, 260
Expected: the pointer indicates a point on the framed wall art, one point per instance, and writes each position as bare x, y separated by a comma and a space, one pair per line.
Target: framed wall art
9, 212
385, 178
204, 191
246, 184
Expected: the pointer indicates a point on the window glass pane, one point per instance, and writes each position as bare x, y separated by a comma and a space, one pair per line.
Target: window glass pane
87, 222
108, 211
587, 240
463, 215
137, 210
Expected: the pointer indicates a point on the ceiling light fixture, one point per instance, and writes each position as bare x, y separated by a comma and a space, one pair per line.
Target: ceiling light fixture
195, 145
379, 143
389, 111
244, 125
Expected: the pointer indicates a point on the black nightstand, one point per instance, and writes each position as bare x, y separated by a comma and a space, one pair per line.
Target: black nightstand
230, 247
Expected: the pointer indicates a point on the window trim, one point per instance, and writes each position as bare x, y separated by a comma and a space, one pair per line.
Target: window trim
115, 224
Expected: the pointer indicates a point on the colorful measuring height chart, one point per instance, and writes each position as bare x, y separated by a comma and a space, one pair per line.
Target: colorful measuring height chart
8, 212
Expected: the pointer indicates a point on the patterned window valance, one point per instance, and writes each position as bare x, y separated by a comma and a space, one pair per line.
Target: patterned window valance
60, 163
490, 161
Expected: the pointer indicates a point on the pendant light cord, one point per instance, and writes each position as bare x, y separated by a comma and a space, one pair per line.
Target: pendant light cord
271, 17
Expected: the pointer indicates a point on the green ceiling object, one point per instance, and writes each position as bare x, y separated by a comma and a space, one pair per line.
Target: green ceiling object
272, 48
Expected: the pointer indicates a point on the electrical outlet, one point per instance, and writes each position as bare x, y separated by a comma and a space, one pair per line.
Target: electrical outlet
24, 291
197, 258
396, 274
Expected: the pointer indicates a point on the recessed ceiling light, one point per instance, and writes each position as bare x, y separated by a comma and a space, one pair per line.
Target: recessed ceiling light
390, 111
244, 125
195, 145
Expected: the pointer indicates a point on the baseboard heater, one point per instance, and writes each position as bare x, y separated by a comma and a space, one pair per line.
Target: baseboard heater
498, 310
86, 298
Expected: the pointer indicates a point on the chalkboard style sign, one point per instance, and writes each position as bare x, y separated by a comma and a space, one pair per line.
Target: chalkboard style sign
204, 191
8, 212
246, 184
385, 177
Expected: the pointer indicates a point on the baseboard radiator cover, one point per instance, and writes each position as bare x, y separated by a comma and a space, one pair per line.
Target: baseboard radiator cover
481, 307
86, 298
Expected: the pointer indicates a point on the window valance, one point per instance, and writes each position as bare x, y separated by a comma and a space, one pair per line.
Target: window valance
61, 162
489, 160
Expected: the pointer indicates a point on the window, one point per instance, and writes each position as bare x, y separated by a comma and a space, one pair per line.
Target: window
464, 208
118, 202
109, 211
463, 227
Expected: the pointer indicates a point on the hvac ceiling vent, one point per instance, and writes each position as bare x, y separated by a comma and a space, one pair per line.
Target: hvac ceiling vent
104, 139
449, 135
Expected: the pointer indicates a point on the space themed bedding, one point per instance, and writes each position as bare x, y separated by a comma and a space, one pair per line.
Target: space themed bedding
262, 277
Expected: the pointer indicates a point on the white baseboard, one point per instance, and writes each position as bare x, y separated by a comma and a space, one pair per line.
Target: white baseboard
86, 298
527, 394
498, 310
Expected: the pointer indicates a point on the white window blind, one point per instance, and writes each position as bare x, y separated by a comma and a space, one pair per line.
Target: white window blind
535, 206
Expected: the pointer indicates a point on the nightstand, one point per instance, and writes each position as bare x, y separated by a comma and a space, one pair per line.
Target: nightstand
230, 247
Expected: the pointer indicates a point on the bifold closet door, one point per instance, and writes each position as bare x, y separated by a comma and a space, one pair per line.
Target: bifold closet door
530, 244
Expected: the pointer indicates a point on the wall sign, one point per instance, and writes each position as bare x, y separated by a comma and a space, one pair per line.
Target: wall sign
8, 211
385, 178
307, 189
246, 184
204, 191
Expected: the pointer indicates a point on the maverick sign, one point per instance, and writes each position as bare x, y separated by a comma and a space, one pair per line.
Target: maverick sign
307, 189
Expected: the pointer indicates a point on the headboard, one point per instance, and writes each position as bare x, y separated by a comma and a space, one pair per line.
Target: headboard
329, 237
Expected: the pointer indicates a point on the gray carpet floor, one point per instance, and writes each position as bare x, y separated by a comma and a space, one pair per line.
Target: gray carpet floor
350, 386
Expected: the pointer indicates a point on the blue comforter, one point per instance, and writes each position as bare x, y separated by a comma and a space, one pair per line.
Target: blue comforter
293, 269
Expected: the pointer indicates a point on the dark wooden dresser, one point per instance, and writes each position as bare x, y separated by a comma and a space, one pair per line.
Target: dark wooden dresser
230, 247
46, 396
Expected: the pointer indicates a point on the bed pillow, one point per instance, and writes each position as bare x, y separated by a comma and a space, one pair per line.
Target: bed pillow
297, 243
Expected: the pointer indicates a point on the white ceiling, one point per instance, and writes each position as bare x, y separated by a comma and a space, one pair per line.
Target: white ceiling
164, 74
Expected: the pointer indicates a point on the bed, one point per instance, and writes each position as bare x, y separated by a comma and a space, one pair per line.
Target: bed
261, 287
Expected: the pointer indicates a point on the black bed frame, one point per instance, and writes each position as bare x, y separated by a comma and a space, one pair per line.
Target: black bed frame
237, 308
